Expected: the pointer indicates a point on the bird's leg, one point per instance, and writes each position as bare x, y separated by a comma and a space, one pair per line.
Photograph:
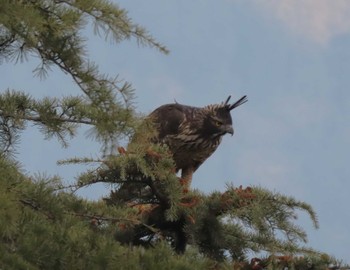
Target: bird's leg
186, 179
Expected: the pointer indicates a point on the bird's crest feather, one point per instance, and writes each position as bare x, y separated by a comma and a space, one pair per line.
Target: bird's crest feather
213, 107
239, 102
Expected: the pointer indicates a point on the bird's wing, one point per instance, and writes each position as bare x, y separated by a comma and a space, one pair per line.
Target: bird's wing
168, 118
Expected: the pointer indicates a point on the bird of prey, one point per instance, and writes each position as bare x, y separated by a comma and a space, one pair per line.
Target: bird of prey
191, 133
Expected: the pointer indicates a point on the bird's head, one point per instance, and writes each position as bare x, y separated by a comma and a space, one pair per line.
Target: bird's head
219, 121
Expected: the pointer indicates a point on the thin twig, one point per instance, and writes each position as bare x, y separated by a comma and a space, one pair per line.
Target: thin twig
40, 120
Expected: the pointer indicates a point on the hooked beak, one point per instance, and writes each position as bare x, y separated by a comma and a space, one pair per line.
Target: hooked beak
229, 129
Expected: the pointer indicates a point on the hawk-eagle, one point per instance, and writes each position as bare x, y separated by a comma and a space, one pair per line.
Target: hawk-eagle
191, 133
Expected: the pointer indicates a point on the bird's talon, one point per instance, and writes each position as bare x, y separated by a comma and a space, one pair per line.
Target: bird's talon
121, 150
153, 154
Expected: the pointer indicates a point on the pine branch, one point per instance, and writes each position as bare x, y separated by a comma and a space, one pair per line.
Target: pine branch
110, 18
100, 218
35, 206
59, 117
163, 200
53, 32
39, 119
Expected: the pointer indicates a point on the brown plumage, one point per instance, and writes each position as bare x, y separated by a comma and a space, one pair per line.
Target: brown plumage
191, 133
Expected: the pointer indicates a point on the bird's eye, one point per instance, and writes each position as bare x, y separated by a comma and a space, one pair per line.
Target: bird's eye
218, 123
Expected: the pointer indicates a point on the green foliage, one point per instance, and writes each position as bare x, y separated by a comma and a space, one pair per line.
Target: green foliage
237, 221
45, 229
222, 226
52, 31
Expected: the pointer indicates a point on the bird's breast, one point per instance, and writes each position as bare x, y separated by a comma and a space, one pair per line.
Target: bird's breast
193, 148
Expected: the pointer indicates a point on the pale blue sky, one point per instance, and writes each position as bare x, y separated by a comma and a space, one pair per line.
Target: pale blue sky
290, 57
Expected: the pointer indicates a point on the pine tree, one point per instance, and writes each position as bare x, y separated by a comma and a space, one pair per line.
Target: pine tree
148, 221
